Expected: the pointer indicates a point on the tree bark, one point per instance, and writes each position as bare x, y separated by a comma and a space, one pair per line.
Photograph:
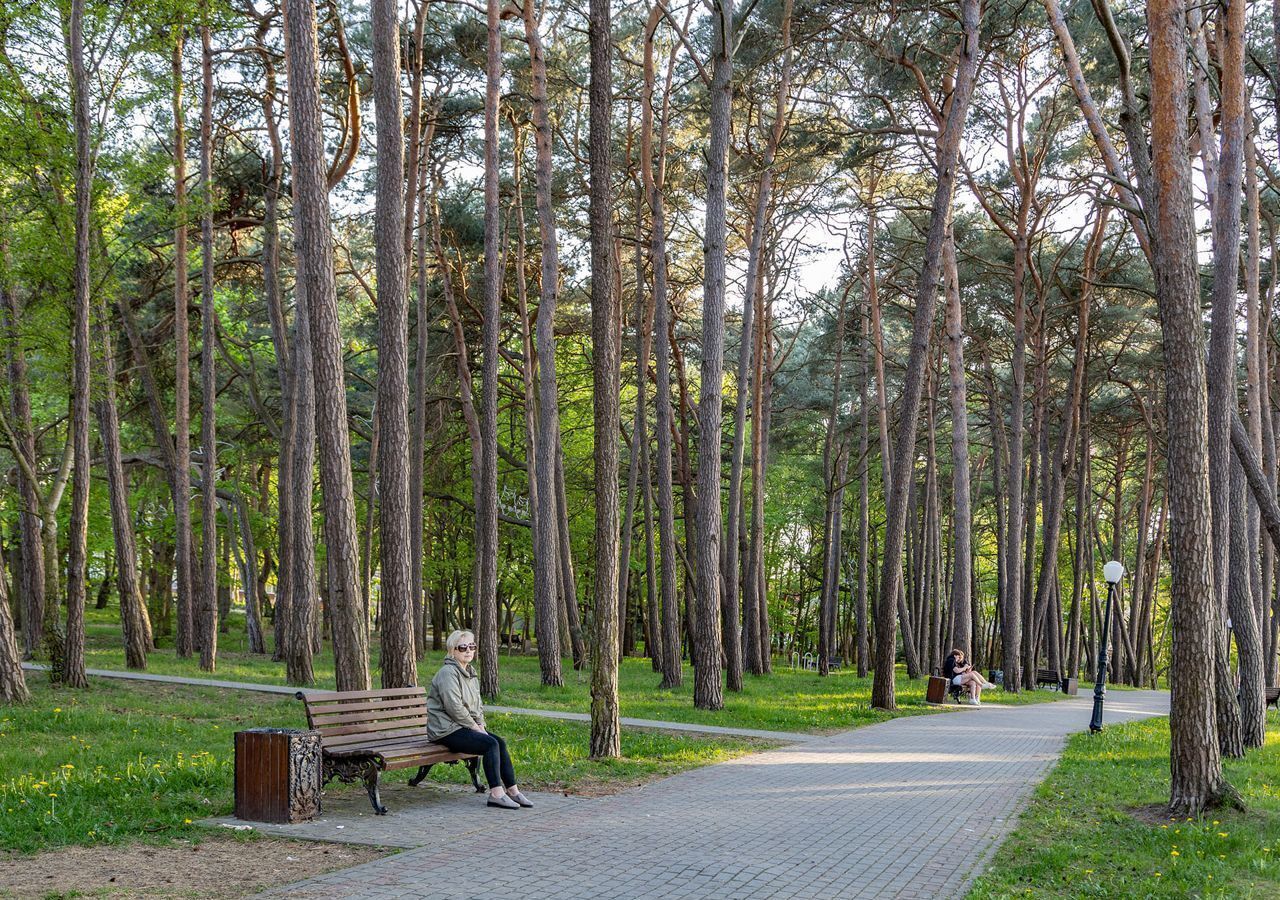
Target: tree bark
707, 690
207, 621
1197, 781
181, 489
395, 616
73, 674
132, 610
546, 535
605, 728
882, 689
316, 289
961, 635
13, 684
486, 600
31, 580
672, 670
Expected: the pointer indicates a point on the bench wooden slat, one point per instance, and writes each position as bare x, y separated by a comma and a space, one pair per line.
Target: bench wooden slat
405, 743
418, 709
371, 728
329, 709
382, 693
378, 737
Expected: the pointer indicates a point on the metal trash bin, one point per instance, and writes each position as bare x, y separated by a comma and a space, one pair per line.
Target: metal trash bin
997, 677
277, 775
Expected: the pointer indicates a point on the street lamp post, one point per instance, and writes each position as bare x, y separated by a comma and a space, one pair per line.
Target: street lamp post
1112, 572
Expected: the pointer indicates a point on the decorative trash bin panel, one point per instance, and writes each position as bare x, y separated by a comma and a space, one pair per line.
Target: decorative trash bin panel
277, 775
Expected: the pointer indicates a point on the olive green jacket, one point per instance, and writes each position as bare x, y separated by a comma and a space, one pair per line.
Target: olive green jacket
454, 700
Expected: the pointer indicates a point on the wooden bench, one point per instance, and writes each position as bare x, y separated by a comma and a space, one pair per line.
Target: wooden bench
1049, 676
1273, 698
363, 733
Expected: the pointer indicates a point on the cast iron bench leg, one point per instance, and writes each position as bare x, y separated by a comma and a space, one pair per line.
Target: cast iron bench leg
473, 766
422, 773
371, 785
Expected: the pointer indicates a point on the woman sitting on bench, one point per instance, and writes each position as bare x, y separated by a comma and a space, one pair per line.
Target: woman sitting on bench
455, 718
961, 674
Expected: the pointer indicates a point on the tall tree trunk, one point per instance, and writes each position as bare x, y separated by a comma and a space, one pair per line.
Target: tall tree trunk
707, 690
546, 537
181, 489
316, 289
395, 616
1244, 621
1197, 781
639, 436
961, 635
605, 728
833, 486
882, 689
672, 672
863, 619
132, 610
207, 627
764, 192
73, 674
487, 501
31, 580
1225, 210
13, 684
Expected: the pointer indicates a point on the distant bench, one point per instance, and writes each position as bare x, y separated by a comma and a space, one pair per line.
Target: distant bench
1049, 676
1273, 697
363, 733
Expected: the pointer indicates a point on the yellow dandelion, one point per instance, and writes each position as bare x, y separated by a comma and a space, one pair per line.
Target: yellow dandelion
1222, 834
1173, 853
1158, 875
57, 709
186, 821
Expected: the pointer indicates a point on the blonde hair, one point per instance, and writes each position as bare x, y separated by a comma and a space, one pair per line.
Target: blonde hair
453, 640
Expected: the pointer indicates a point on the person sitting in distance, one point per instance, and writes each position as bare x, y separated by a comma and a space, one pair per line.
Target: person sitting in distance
959, 672
455, 718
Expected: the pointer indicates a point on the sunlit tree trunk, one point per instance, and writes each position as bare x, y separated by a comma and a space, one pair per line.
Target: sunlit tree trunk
486, 599
882, 690
1197, 780
316, 289
707, 689
183, 539
605, 728
395, 616
73, 674
207, 620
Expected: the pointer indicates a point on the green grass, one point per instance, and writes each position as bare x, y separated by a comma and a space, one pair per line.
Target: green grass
1080, 837
134, 760
788, 700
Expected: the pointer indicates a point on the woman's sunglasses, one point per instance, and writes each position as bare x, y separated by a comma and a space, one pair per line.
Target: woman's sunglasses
465, 647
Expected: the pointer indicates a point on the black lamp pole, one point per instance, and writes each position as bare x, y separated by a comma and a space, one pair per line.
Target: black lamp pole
1100, 679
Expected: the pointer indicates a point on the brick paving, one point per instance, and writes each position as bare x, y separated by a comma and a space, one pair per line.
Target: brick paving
910, 808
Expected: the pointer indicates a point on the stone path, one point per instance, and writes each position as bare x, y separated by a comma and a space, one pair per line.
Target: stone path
911, 808
788, 736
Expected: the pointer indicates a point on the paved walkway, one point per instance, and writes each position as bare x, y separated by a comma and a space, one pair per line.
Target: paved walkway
787, 736
911, 808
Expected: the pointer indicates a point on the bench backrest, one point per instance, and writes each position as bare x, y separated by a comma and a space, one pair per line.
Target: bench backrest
346, 718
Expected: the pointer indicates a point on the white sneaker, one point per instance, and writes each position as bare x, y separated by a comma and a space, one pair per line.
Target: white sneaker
972, 702
988, 686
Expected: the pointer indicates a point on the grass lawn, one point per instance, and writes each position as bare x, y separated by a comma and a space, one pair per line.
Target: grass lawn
135, 760
1080, 837
789, 700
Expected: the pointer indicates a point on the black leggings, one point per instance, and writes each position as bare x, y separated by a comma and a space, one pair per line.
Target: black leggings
491, 748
